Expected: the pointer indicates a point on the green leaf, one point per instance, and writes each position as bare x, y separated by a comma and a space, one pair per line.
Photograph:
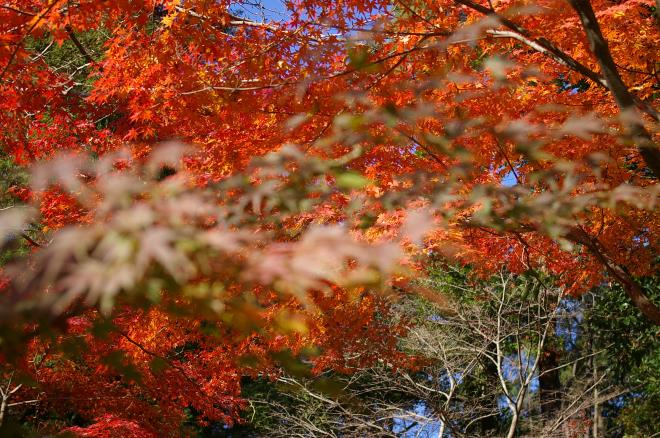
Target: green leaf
352, 180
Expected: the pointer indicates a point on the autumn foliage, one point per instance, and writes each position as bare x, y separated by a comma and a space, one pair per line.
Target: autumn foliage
219, 192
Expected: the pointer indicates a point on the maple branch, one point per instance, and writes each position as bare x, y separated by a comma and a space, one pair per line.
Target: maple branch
415, 13
500, 147
619, 274
18, 11
547, 48
30, 240
537, 44
624, 99
36, 22
154, 354
426, 150
296, 81
239, 21
235, 20
630, 286
440, 32
78, 44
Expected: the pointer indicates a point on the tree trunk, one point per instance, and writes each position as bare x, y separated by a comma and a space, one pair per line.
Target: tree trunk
514, 425
549, 383
3, 408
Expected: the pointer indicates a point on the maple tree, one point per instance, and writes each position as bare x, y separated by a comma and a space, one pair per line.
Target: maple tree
159, 263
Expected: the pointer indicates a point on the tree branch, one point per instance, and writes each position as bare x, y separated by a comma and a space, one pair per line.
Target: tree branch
30, 240
630, 286
540, 44
19, 44
78, 45
18, 11
547, 48
624, 99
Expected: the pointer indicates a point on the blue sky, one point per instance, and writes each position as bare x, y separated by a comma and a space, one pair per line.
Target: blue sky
268, 10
